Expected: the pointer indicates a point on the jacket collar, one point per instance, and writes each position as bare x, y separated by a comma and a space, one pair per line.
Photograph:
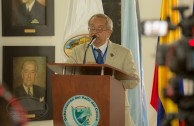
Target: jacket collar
110, 55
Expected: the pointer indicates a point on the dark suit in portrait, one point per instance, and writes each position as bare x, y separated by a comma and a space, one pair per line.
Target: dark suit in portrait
33, 104
38, 92
36, 16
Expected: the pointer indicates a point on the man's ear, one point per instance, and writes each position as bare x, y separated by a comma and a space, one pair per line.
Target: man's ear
110, 32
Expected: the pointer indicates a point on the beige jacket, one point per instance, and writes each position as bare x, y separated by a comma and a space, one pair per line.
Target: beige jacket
116, 56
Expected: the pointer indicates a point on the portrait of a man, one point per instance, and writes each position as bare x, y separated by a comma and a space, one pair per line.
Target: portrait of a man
30, 86
29, 12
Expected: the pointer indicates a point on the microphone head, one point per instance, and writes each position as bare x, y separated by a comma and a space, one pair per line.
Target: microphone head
92, 40
93, 37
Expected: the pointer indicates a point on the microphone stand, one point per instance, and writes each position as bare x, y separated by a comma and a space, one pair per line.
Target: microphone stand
89, 44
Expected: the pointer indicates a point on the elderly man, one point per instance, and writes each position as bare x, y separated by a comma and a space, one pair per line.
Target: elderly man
104, 51
28, 88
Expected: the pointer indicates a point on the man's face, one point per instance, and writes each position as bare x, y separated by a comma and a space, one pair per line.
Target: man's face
28, 74
98, 27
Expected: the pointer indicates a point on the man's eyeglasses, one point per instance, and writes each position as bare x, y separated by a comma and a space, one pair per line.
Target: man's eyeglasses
98, 29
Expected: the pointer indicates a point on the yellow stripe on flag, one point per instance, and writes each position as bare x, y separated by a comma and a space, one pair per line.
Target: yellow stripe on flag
164, 73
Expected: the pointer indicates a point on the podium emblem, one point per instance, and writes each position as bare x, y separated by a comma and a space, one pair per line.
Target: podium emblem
80, 110
81, 115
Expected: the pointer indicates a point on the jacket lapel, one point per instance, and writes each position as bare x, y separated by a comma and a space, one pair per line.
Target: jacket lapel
90, 56
111, 52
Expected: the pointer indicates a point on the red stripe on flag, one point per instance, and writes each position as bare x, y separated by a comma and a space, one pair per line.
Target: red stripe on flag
154, 97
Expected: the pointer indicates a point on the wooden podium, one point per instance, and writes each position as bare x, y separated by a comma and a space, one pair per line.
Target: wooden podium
100, 82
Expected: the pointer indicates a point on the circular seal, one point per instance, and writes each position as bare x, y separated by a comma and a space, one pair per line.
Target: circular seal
80, 110
75, 41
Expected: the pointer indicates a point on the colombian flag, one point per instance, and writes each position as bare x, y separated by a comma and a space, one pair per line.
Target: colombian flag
162, 73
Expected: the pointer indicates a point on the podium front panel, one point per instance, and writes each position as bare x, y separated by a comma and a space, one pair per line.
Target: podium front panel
105, 91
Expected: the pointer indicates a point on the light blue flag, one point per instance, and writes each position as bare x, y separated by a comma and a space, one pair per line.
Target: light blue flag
131, 39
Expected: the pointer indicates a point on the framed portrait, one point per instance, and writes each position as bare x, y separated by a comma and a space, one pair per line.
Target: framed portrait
26, 75
27, 17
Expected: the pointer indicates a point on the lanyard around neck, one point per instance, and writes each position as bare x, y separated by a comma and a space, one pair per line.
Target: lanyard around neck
103, 57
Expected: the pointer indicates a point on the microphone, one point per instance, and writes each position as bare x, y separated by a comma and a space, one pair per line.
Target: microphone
89, 44
92, 40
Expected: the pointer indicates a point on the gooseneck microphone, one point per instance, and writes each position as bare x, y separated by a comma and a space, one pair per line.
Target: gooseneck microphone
89, 44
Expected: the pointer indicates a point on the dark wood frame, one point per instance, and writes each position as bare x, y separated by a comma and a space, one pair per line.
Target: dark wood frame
18, 51
33, 30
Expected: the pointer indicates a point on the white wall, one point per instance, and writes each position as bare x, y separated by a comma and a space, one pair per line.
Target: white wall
149, 9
